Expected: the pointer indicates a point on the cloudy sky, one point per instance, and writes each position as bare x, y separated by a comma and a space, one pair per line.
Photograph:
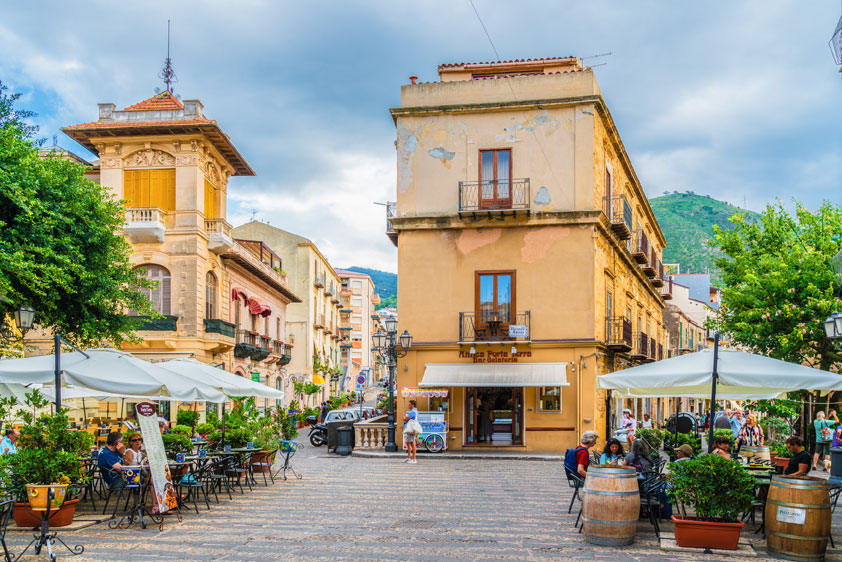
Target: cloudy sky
738, 100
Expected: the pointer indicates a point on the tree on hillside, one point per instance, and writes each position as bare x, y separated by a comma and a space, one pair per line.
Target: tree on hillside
62, 250
778, 285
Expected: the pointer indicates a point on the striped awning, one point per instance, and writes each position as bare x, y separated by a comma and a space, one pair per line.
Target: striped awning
495, 375
257, 306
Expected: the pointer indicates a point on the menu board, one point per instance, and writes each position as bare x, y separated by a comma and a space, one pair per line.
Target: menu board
147, 417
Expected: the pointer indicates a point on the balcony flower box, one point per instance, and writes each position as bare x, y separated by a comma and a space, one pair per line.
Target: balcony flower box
221, 327
259, 353
162, 324
244, 350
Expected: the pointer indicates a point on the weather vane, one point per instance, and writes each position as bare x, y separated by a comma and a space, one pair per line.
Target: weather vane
168, 74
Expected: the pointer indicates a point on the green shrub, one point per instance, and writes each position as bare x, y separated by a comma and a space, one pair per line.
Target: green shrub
683, 438
205, 428
187, 417
779, 449
652, 438
80, 442
177, 443
717, 433
182, 430
716, 487
237, 437
775, 429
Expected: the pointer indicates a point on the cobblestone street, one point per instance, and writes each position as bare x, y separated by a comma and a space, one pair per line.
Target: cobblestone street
382, 509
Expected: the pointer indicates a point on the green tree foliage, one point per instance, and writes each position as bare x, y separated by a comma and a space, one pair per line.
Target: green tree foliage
62, 249
777, 282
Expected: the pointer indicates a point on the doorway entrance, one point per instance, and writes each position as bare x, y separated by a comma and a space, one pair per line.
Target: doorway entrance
494, 416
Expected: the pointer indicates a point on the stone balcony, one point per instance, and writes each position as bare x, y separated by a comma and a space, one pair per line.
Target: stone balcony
145, 224
219, 236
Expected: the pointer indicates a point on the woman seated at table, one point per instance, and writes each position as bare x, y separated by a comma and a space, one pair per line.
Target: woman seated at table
639, 457
721, 446
613, 453
134, 455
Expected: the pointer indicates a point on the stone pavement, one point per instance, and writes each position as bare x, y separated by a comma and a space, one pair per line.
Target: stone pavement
382, 509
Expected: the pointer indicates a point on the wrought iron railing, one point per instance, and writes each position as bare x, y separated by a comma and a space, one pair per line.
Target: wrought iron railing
618, 210
495, 326
618, 331
391, 211
640, 247
494, 195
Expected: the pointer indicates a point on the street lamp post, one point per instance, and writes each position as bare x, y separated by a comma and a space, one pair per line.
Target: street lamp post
392, 347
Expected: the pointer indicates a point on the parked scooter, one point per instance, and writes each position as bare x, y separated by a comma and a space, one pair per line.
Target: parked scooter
318, 431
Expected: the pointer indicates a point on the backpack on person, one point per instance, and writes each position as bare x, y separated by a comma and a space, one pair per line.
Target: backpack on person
570, 459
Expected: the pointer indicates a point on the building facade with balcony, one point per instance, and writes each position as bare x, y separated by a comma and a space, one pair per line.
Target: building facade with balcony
314, 323
516, 218
171, 165
358, 322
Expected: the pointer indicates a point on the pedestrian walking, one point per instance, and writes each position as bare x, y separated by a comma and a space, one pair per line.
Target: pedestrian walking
411, 431
323, 411
824, 435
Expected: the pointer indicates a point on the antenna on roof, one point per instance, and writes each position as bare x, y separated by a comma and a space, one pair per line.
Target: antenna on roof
55, 140
168, 74
597, 56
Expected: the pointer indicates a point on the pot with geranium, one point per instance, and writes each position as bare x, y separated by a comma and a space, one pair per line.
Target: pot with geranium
718, 490
47, 459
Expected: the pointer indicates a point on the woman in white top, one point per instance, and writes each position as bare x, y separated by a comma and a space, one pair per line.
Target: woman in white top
134, 456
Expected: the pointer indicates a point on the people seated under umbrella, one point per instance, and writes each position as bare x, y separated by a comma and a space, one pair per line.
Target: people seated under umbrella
110, 459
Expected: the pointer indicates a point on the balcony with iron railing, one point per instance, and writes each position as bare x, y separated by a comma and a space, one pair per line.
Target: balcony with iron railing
494, 197
250, 345
666, 289
319, 281
653, 349
649, 268
618, 334
145, 224
640, 247
660, 351
658, 281
244, 254
640, 346
495, 326
391, 212
619, 212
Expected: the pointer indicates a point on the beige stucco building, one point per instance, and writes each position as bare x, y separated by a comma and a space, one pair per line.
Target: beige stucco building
223, 301
529, 258
313, 324
358, 325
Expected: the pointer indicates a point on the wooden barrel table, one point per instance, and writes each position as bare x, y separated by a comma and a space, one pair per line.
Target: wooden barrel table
798, 517
756, 454
610, 505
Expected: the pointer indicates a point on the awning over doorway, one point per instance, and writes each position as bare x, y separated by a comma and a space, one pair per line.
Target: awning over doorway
469, 374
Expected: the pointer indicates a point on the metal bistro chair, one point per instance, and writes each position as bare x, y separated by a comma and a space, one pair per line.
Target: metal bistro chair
119, 487
576, 482
265, 466
5, 514
218, 477
87, 487
651, 490
240, 469
195, 483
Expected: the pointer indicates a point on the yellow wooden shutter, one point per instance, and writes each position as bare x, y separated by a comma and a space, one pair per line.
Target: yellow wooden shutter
162, 188
130, 187
210, 200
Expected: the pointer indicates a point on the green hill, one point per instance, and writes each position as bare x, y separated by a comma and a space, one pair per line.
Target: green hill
385, 284
687, 221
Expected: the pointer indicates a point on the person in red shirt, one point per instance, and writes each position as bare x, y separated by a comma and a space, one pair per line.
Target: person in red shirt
589, 439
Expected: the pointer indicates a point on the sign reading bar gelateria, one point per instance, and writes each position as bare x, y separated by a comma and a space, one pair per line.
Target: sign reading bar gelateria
489, 356
424, 392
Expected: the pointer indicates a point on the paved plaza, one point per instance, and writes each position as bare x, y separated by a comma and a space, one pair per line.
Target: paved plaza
383, 509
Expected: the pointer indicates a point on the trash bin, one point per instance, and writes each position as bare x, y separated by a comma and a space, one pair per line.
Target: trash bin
346, 440
835, 467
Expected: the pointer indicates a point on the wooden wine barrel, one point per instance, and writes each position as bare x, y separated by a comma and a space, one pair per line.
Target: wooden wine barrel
756, 454
610, 505
798, 517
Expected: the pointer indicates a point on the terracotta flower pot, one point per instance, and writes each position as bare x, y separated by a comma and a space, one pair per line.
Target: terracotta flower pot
693, 533
782, 461
61, 518
772, 457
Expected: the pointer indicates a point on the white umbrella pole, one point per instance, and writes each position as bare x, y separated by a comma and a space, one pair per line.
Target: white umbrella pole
713, 390
57, 342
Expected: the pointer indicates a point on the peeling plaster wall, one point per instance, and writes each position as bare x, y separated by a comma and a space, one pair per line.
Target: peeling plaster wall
552, 148
437, 277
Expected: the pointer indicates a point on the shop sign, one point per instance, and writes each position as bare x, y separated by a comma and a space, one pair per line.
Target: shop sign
495, 356
518, 331
255, 377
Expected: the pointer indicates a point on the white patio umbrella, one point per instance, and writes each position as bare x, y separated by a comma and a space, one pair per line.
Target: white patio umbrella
742, 376
228, 383
110, 371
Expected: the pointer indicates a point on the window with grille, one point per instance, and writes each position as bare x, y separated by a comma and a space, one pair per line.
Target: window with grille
160, 294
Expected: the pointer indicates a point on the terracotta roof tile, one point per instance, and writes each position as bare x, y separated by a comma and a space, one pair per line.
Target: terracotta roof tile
164, 100
451, 65
132, 124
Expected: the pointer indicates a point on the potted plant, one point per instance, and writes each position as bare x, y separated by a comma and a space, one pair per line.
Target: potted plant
779, 454
175, 443
718, 490
204, 429
48, 459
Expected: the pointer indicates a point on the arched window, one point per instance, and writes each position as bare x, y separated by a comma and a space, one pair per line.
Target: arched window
211, 309
160, 294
